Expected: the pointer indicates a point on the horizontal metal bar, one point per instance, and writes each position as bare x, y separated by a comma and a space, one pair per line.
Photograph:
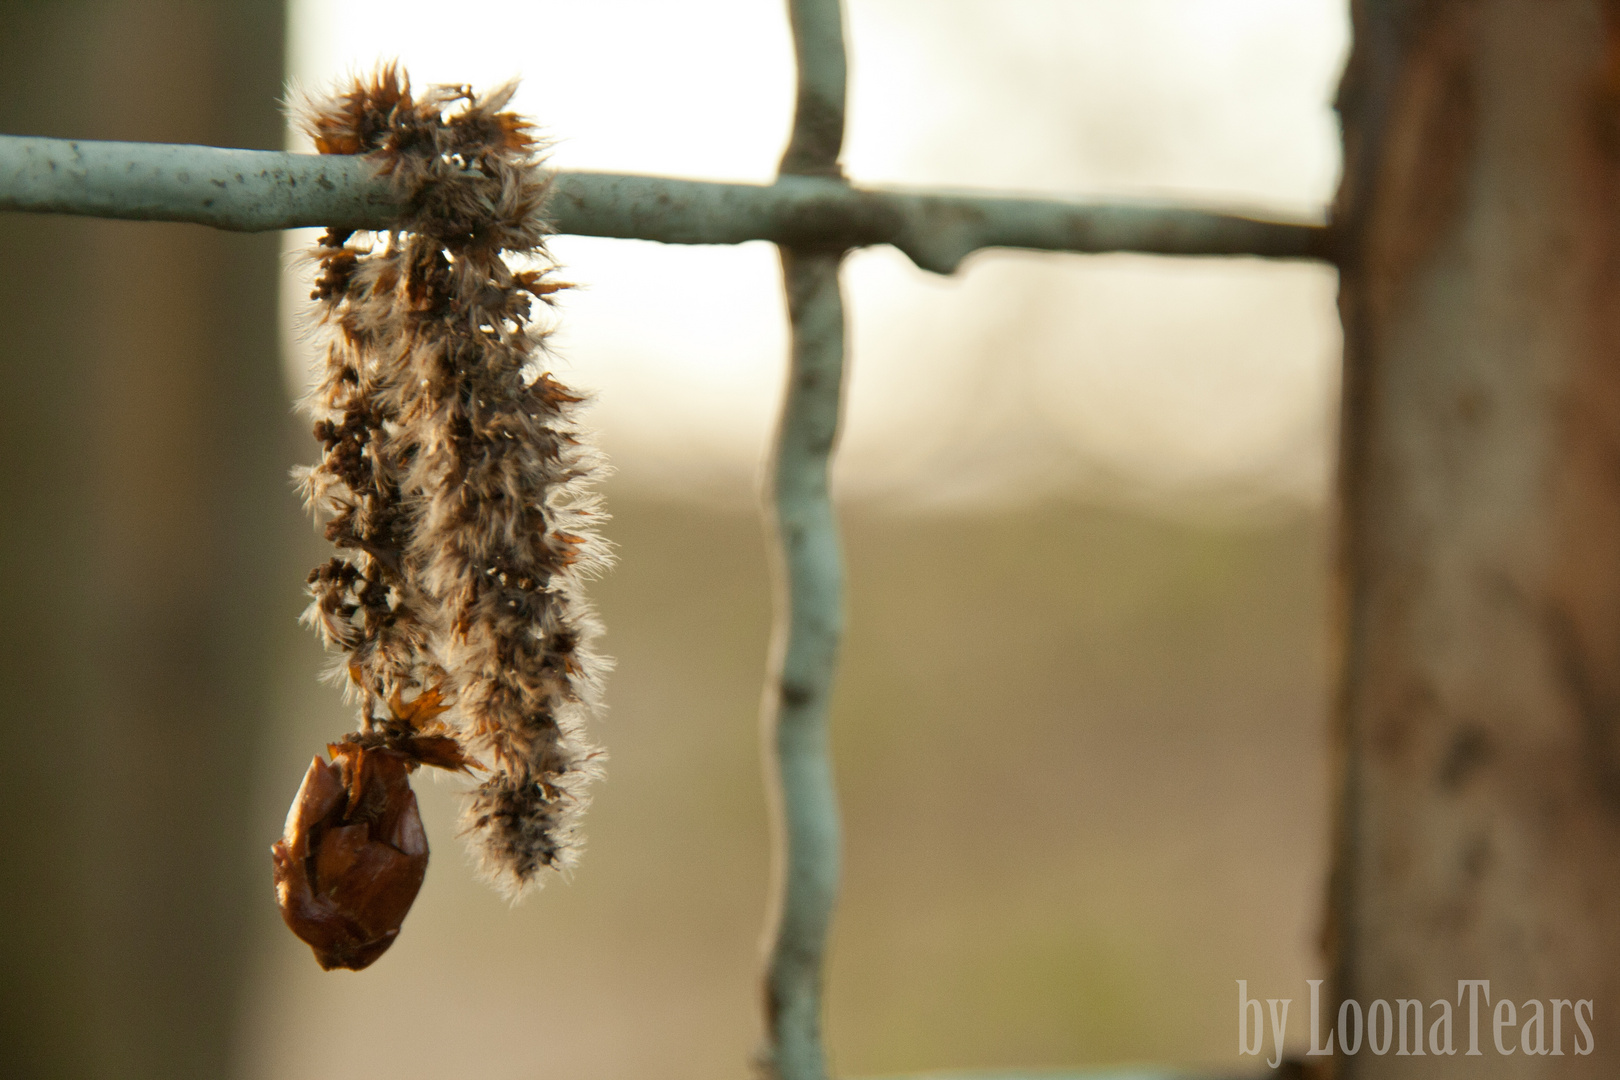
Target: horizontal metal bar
936, 230
1126, 1072
239, 190
257, 190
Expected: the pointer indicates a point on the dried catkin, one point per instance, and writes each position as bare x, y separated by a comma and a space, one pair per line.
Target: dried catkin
455, 482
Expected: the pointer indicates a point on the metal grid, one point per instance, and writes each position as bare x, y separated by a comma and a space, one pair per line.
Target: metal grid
816, 217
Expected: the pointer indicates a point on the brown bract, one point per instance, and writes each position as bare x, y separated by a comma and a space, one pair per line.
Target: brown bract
353, 856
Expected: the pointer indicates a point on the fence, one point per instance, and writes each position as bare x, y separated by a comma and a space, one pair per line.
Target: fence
815, 216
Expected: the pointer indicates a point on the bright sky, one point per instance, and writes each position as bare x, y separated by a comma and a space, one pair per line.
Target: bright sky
1023, 375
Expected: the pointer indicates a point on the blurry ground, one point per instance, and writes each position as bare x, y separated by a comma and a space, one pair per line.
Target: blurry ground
1081, 753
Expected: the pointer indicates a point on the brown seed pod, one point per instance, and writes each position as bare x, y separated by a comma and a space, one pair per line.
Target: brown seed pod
353, 856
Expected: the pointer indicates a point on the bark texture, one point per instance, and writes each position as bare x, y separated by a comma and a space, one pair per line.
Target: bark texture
145, 508
1479, 232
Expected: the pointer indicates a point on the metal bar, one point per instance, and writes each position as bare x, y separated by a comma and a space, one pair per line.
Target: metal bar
936, 230
239, 190
809, 625
809, 579
818, 107
257, 190
1127, 1072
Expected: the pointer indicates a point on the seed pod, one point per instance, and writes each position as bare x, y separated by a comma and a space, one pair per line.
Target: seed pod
353, 856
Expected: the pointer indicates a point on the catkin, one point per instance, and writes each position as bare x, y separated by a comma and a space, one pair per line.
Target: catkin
455, 481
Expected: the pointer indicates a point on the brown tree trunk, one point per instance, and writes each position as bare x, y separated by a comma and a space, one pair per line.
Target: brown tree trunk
143, 503
1479, 218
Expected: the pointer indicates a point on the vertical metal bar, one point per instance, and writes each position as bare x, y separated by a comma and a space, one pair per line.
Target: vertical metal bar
809, 576
805, 654
818, 108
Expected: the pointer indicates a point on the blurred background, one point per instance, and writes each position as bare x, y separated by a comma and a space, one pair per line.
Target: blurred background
1079, 725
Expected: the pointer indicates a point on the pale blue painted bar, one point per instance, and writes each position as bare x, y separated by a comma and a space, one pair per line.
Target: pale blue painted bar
258, 190
1143, 1072
809, 578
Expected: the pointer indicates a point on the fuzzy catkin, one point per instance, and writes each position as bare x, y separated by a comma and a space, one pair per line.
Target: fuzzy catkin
455, 482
